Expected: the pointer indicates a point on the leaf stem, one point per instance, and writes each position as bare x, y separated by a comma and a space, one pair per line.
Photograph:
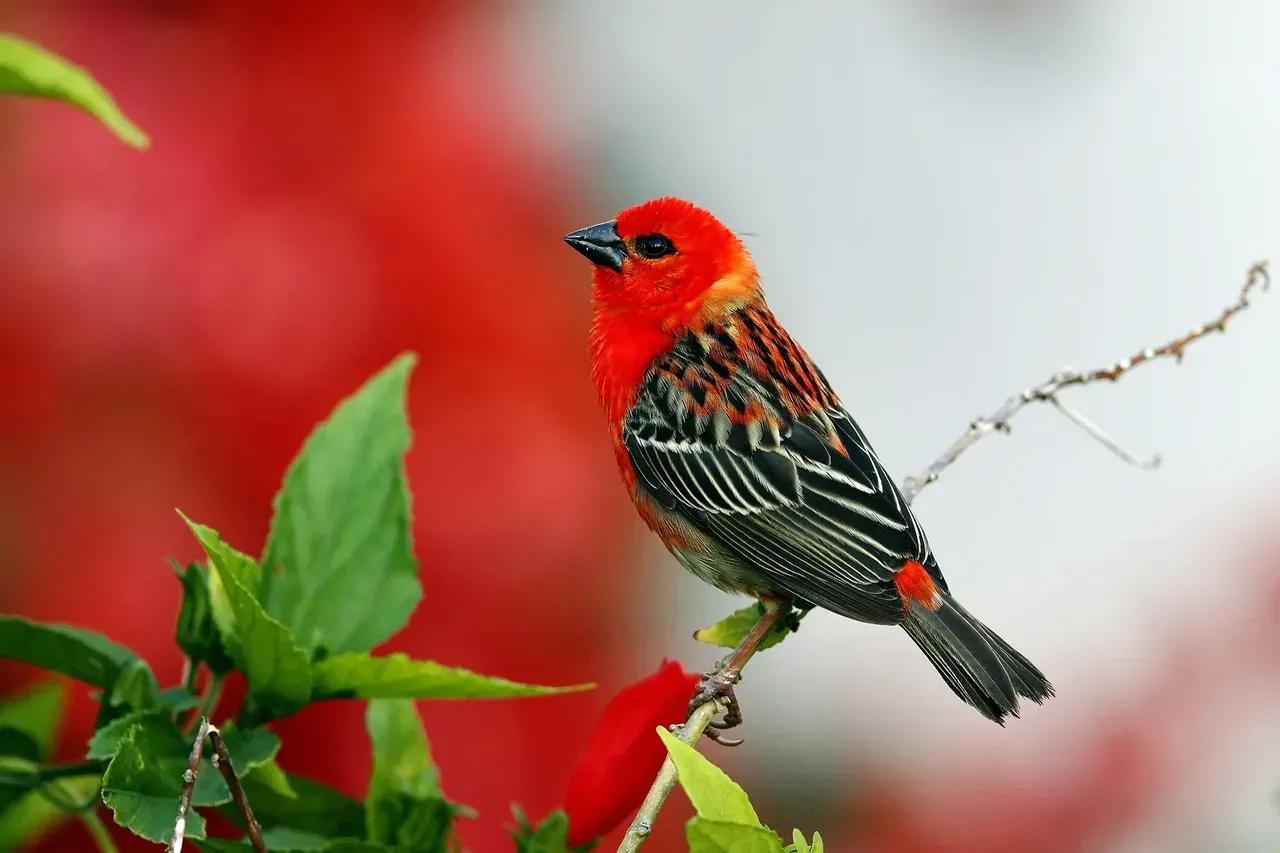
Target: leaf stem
79, 768
98, 832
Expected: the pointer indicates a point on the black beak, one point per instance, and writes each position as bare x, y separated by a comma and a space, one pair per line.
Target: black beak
600, 244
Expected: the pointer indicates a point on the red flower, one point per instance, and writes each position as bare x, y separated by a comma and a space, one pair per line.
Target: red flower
623, 755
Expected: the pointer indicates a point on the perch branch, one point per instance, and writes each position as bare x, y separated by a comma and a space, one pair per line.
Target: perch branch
696, 725
1046, 392
221, 759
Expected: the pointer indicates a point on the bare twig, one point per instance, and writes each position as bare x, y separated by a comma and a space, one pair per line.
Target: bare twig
188, 785
696, 725
1048, 391
222, 760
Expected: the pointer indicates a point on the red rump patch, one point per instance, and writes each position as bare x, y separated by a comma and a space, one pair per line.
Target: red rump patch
914, 584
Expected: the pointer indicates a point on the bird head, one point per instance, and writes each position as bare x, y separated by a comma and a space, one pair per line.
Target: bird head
667, 260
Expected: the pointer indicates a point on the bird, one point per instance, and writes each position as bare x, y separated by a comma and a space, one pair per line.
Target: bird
740, 456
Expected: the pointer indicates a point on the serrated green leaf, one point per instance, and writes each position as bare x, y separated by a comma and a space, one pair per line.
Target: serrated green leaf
397, 676
28, 69
277, 672
107, 739
316, 808
196, 633
340, 536
405, 806
549, 836
714, 836
141, 789
730, 630
714, 795
84, 655
37, 712
168, 750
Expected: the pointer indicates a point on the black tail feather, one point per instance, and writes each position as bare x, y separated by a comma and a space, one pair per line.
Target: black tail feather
978, 665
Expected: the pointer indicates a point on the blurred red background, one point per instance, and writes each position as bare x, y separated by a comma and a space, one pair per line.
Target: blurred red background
326, 187
329, 185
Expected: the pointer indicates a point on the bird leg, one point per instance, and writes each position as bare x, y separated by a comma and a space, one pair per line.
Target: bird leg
717, 685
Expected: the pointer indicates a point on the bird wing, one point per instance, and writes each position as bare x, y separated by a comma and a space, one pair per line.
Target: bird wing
738, 432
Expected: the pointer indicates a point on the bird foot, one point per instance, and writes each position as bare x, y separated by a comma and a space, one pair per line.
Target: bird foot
717, 686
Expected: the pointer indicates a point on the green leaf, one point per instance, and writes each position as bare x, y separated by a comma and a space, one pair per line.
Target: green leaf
730, 630
177, 699
135, 688
397, 676
714, 795
316, 808
169, 750
405, 806
799, 845
36, 712
715, 836
107, 739
196, 633
340, 536
141, 789
278, 673
272, 776
83, 655
28, 69
34, 814
549, 836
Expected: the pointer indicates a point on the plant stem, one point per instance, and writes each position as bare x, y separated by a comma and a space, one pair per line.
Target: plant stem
696, 724
79, 768
98, 832
188, 785
209, 699
222, 760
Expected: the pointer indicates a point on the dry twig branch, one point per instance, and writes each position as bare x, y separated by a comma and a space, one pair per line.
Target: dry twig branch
1046, 392
221, 759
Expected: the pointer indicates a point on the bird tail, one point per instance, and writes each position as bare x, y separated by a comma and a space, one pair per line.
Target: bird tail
978, 665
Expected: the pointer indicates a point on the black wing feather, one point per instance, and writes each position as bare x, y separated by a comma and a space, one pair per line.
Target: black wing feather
828, 527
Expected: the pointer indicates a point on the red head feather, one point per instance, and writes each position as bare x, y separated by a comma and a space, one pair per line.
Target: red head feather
643, 307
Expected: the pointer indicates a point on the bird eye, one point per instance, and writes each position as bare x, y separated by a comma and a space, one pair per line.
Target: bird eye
654, 245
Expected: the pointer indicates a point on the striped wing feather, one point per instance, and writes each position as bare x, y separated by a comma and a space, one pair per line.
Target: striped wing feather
773, 468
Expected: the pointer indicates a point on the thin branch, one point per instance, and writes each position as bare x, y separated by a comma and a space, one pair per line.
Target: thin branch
665, 781
222, 761
188, 785
1048, 391
730, 668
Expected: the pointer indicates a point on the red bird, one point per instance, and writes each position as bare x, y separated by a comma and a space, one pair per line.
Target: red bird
742, 459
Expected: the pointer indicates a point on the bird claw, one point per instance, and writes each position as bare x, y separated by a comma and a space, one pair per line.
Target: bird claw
717, 686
